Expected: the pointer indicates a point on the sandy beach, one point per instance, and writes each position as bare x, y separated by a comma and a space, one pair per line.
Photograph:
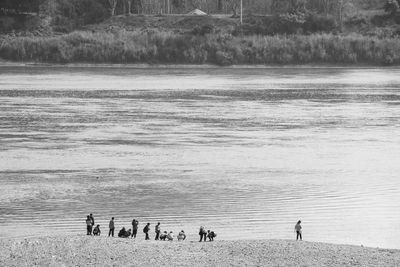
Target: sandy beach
102, 251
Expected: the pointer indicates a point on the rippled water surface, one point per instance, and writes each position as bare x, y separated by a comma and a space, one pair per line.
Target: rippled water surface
246, 152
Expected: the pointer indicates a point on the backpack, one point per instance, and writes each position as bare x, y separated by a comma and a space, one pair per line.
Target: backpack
145, 229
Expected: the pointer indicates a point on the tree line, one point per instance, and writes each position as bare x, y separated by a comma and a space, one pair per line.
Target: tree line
116, 7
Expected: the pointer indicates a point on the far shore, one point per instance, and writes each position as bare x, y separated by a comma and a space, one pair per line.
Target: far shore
103, 251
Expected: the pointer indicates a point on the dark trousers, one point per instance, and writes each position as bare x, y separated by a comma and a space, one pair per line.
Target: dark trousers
89, 230
147, 236
157, 235
134, 232
298, 235
111, 232
203, 236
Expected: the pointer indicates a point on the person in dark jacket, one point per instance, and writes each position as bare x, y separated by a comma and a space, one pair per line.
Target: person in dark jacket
146, 230
92, 219
297, 229
211, 235
158, 231
112, 227
203, 234
135, 224
122, 233
163, 236
88, 225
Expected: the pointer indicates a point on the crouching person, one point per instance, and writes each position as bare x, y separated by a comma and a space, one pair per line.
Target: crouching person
96, 230
163, 236
181, 236
122, 233
211, 235
170, 236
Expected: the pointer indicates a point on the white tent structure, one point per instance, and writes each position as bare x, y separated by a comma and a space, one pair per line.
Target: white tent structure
197, 12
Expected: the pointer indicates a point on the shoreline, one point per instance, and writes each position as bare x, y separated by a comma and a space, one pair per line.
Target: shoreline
103, 251
191, 66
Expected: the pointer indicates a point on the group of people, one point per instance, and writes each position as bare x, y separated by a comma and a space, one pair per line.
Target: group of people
123, 233
89, 226
204, 234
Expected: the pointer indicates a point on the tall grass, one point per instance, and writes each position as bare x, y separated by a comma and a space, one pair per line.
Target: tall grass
171, 48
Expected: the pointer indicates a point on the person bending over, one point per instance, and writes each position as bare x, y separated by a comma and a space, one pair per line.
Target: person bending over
211, 235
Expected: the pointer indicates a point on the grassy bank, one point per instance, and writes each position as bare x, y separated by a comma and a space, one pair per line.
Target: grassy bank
170, 48
102, 251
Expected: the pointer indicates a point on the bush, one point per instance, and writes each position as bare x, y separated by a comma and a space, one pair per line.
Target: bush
289, 23
203, 30
391, 6
222, 49
319, 23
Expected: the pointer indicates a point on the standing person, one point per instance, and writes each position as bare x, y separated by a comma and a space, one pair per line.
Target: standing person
92, 219
203, 234
158, 231
112, 227
88, 226
298, 228
135, 224
146, 230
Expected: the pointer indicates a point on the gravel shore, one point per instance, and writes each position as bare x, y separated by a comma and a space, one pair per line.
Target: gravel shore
102, 251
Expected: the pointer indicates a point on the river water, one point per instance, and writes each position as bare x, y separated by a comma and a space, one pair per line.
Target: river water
243, 151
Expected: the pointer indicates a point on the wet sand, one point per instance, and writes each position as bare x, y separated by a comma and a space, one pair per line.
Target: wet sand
102, 251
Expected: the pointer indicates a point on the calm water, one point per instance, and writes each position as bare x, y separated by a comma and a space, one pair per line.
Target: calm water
246, 152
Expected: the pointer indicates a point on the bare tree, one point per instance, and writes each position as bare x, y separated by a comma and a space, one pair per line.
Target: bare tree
113, 6
233, 5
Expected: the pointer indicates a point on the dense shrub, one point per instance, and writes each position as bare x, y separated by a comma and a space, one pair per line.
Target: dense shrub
202, 30
319, 23
222, 49
289, 24
391, 6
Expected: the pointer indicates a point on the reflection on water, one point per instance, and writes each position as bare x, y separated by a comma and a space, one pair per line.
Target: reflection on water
246, 152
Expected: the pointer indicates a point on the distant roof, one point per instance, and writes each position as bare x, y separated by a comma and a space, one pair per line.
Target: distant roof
197, 12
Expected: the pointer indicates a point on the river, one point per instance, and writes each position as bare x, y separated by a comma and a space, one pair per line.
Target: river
245, 152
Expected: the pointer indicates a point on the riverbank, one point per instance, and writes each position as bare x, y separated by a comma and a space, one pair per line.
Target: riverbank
164, 47
102, 251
